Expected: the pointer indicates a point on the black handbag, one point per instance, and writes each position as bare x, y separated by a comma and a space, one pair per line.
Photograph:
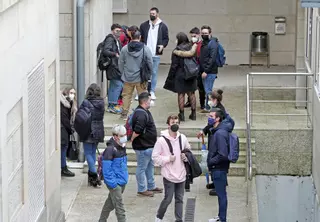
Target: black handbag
73, 151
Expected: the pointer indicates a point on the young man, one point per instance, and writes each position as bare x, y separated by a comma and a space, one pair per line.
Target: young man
172, 166
208, 65
115, 173
143, 140
218, 162
195, 51
155, 35
111, 50
131, 57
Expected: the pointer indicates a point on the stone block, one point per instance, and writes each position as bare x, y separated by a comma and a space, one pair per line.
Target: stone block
279, 142
252, 23
66, 49
66, 72
301, 140
300, 49
66, 25
122, 19
282, 8
267, 163
139, 7
65, 6
283, 43
282, 58
204, 7
301, 27
291, 163
234, 41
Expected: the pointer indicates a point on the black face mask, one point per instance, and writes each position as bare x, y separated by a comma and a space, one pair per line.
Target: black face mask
174, 128
152, 17
205, 37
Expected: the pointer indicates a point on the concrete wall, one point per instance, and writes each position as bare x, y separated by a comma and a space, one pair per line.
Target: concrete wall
98, 20
286, 199
29, 111
289, 152
231, 20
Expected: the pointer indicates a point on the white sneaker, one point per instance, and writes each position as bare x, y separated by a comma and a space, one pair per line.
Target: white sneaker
153, 96
136, 98
157, 220
215, 219
152, 103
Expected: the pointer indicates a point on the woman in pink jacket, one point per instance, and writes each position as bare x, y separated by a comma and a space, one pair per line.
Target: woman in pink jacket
167, 154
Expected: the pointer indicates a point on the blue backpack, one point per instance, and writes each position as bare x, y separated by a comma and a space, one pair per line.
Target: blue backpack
221, 58
234, 149
128, 124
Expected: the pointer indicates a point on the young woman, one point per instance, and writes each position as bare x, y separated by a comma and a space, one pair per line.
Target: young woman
67, 114
176, 78
95, 103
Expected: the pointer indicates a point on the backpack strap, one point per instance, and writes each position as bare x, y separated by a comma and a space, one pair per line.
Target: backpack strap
169, 145
180, 142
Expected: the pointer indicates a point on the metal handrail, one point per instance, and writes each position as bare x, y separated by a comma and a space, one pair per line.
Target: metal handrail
248, 113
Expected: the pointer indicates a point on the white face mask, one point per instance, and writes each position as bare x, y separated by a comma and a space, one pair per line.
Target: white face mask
176, 41
71, 96
123, 140
212, 104
194, 39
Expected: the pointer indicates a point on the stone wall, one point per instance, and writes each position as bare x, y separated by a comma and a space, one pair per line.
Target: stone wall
232, 21
283, 152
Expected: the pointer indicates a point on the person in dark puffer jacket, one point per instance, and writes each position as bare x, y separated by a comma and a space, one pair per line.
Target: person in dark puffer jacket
115, 173
95, 103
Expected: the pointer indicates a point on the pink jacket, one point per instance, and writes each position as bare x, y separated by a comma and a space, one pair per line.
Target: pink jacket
173, 171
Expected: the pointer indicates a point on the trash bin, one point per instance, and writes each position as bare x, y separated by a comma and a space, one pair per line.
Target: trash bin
259, 46
259, 42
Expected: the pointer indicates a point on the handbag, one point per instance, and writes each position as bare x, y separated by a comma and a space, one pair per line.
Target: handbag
73, 151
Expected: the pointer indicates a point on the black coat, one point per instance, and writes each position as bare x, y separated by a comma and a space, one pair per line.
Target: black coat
175, 81
65, 117
111, 48
97, 108
192, 167
208, 57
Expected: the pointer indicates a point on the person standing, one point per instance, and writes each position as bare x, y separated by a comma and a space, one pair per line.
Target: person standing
143, 139
131, 58
115, 173
208, 65
177, 75
111, 50
217, 160
155, 34
94, 103
67, 113
172, 166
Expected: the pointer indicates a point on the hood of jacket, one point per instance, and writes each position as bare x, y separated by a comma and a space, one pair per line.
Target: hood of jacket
112, 142
157, 23
166, 134
97, 102
224, 125
64, 101
135, 48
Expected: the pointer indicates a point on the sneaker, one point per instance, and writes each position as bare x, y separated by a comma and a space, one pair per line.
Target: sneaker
153, 96
157, 220
136, 98
205, 111
114, 109
66, 173
146, 193
215, 219
213, 192
152, 103
157, 190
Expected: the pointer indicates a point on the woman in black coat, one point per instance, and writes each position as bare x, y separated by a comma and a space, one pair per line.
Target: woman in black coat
95, 103
176, 78
67, 113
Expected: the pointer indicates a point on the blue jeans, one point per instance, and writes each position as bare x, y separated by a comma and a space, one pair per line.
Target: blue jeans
145, 169
154, 77
208, 86
64, 149
220, 183
114, 91
90, 153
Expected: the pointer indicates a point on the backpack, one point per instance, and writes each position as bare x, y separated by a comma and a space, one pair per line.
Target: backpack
220, 58
191, 68
82, 122
128, 124
102, 61
144, 69
234, 150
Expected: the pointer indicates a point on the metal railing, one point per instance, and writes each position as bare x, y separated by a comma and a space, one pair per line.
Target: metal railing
249, 113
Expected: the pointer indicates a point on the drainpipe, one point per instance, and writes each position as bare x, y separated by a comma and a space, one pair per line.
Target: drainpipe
80, 61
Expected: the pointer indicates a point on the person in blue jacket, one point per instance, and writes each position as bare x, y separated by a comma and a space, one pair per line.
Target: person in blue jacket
218, 162
115, 173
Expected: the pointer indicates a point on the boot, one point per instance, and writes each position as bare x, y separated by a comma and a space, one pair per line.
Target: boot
93, 179
66, 173
193, 115
181, 115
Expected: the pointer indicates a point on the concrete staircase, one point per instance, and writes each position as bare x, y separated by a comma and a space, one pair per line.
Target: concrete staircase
237, 169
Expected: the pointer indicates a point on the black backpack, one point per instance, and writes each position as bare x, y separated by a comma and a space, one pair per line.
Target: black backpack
145, 73
191, 68
82, 123
103, 62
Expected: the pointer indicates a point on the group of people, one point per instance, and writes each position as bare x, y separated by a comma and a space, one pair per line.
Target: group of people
129, 53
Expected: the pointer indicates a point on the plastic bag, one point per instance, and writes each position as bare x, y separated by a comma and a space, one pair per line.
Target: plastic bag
203, 163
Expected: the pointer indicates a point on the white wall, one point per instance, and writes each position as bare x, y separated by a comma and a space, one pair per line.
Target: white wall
29, 38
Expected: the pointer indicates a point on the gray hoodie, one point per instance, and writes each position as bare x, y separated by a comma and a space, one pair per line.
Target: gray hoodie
130, 61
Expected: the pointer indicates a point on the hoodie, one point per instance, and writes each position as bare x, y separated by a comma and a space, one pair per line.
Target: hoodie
219, 147
130, 61
174, 171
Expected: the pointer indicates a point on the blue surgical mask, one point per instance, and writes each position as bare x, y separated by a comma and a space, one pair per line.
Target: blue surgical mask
211, 121
123, 139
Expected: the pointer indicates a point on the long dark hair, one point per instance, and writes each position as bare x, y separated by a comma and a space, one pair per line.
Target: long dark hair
93, 91
182, 38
